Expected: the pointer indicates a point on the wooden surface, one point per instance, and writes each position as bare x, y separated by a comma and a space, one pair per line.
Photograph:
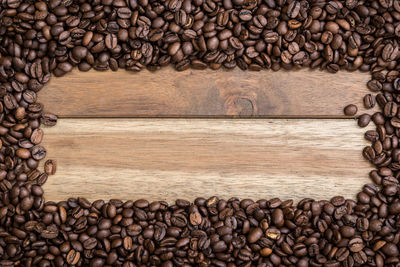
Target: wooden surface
101, 156
205, 93
184, 158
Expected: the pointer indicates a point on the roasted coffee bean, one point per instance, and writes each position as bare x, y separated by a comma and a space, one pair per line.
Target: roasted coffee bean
36, 136
38, 152
50, 167
371, 135
111, 41
363, 120
79, 52
390, 109
23, 153
369, 101
73, 257
49, 119
350, 110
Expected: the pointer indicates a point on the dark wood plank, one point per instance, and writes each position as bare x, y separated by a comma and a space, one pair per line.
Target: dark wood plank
206, 93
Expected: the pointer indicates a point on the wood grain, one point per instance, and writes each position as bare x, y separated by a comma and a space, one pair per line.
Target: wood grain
204, 93
185, 158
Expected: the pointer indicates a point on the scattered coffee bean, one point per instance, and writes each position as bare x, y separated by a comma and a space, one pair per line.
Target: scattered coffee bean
363, 120
350, 110
50, 167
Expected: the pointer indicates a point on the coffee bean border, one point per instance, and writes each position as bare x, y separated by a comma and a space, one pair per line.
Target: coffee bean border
40, 38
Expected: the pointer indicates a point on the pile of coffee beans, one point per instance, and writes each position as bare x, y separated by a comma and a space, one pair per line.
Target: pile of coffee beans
40, 38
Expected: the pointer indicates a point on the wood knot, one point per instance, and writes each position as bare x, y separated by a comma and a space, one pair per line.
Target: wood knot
242, 106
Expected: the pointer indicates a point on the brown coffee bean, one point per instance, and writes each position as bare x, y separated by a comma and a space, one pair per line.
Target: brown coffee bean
278, 218
390, 109
23, 153
350, 110
38, 152
111, 41
374, 85
369, 101
73, 257
36, 136
356, 244
49, 119
363, 120
254, 235
79, 52
50, 167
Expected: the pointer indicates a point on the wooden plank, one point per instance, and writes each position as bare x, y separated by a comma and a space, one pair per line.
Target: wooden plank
204, 93
184, 158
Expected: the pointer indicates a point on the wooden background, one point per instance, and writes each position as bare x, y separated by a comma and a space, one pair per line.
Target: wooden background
170, 135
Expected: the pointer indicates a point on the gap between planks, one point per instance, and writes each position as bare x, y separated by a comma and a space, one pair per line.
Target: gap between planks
166, 159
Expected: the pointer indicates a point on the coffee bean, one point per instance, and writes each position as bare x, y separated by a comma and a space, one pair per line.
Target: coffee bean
111, 41
23, 153
124, 13
390, 250
374, 85
369, 101
79, 52
38, 152
27, 203
350, 110
49, 119
293, 9
36, 136
50, 167
356, 244
277, 217
73, 257
363, 120
371, 135
90, 243
254, 235
50, 232
390, 109
195, 218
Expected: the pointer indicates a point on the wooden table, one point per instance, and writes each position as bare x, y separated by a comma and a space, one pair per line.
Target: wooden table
170, 135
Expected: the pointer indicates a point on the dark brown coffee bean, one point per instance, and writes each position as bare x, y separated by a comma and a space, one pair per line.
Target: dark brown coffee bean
49, 119
79, 52
356, 244
73, 257
371, 135
38, 152
350, 110
278, 218
369, 101
395, 122
111, 41
390, 250
363, 120
293, 9
124, 13
390, 109
254, 235
374, 85
23, 153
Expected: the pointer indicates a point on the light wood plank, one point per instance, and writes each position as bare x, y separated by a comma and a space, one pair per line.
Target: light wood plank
185, 158
204, 93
